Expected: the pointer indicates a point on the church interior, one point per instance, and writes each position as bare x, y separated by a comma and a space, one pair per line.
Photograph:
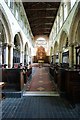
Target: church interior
39, 59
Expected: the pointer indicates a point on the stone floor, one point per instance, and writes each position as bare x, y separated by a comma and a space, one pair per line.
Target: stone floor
38, 107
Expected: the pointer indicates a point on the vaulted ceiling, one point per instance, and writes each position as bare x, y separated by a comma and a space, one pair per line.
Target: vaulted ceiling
41, 16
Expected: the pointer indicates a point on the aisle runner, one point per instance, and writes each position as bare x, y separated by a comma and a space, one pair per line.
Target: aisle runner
40, 81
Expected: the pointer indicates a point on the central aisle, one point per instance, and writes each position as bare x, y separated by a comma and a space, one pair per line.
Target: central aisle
40, 82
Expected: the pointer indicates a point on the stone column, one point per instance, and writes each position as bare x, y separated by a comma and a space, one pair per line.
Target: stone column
6, 54
11, 55
22, 57
71, 55
54, 58
26, 56
28, 59
60, 57
74, 57
0, 53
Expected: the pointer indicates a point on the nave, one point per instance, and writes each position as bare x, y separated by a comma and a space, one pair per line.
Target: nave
40, 101
40, 32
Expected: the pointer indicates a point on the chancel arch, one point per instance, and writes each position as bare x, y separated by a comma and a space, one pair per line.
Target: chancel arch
41, 54
41, 48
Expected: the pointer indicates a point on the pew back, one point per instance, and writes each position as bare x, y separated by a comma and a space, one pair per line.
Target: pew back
13, 77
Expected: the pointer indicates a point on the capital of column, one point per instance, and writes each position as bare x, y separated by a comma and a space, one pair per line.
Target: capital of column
71, 44
60, 51
11, 45
22, 52
6, 44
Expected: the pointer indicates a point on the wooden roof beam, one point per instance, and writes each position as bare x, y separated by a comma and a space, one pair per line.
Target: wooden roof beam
47, 17
36, 9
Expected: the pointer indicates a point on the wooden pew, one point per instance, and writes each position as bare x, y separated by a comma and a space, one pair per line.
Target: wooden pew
13, 78
2, 85
72, 85
51, 71
61, 78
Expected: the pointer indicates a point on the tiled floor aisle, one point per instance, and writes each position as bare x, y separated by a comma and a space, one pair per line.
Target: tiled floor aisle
38, 107
40, 80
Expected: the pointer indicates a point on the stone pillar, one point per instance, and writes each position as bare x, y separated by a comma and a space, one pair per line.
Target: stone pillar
22, 57
26, 57
0, 53
71, 55
11, 55
54, 58
60, 57
74, 55
6, 54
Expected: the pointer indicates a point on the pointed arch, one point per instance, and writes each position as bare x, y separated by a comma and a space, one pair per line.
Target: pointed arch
56, 47
6, 24
5, 37
18, 48
74, 25
63, 40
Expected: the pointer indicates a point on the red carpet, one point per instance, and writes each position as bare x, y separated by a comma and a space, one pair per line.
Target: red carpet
40, 80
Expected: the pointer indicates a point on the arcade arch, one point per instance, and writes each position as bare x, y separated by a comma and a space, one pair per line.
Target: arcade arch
5, 40
18, 49
63, 48
74, 38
